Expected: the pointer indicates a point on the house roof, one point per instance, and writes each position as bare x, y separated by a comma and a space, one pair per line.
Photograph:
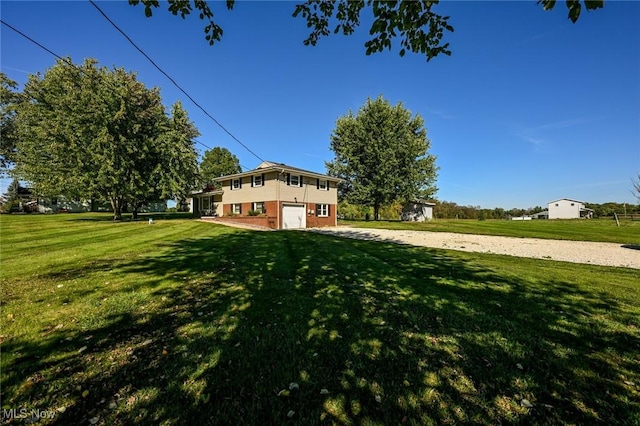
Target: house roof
205, 192
423, 202
268, 166
566, 199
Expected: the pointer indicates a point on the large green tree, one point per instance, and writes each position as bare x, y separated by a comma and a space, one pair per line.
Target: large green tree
180, 173
8, 100
94, 133
415, 23
218, 162
381, 153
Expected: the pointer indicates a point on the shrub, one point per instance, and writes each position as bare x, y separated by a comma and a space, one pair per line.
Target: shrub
12, 206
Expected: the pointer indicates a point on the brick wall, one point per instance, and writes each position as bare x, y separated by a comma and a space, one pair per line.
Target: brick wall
272, 216
264, 221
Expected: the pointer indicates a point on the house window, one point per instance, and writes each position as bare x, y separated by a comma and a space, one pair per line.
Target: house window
256, 180
236, 208
259, 207
236, 184
556, 204
294, 180
323, 185
572, 204
322, 210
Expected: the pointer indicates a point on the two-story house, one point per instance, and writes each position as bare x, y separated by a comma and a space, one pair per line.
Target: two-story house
273, 195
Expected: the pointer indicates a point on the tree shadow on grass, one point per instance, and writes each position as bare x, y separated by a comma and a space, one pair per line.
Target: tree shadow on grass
291, 327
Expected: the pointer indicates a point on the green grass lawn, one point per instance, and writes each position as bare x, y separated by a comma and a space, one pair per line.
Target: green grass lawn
577, 230
185, 322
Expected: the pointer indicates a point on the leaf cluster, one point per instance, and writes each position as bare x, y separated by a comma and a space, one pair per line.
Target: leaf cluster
574, 6
213, 31
419, 29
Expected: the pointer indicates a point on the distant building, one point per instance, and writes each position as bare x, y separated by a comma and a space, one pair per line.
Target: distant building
417, 211
566, 208
541, 215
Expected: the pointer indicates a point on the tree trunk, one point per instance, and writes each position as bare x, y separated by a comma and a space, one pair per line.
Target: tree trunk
376, 210
116, 204
136, 209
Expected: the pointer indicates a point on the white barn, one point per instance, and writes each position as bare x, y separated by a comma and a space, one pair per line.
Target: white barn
417, 211
566, 208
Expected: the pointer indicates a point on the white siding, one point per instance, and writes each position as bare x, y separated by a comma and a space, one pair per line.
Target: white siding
565, 209
249, 194
308, 193
417, 212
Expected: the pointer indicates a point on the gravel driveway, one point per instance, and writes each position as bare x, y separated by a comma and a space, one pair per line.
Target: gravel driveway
607, 254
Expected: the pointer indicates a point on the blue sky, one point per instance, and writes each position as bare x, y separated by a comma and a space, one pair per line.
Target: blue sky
528, 109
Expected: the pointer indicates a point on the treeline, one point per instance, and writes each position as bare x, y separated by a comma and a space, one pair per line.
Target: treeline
608, 209
451, 210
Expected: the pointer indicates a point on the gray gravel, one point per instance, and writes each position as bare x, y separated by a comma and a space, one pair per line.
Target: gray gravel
607, 254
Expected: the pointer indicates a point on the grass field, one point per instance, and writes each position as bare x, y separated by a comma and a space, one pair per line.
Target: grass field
184, 322
577, 230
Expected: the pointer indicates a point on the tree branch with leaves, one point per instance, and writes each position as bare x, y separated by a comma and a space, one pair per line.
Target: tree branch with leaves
415, 23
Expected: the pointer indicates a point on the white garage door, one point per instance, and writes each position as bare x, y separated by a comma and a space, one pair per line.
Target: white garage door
293, 217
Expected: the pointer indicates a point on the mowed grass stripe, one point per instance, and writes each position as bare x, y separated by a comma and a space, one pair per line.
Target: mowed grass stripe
81, 238
51, 234
48, 227
100, 242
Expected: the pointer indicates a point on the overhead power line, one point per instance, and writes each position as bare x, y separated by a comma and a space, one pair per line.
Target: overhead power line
33, 41
65, 60
173, 81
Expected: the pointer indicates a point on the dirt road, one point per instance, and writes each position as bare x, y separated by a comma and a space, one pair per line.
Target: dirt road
607, 254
